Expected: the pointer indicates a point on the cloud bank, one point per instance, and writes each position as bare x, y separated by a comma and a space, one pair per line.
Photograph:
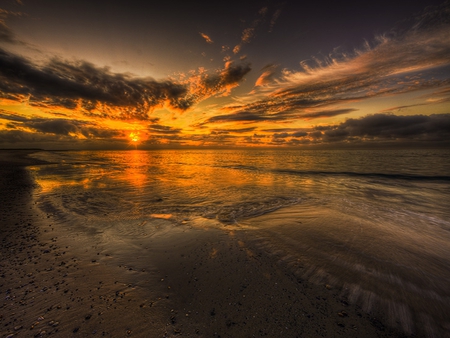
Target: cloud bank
372, 130
83, 86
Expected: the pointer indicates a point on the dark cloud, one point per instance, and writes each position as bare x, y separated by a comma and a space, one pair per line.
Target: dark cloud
24, 137
66, 83
6, 35
236, 117
325, 113
81, 84
58, 126
371, 130
284, 134
160, 129
283, 115
299, 134
229, 77
280, 135
238, 130
219, 132
202, 85
400, 108
280, 130
68, 103
387, 127
233, 74
7, 115
70, 127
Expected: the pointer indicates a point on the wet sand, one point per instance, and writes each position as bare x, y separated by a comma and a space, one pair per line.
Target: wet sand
194, 282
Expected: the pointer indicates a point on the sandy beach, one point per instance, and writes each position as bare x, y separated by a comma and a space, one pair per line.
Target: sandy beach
199, 283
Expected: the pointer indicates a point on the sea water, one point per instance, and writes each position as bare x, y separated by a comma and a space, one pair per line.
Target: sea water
373, 223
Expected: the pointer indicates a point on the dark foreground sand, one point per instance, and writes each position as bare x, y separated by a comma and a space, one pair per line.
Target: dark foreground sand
205, 283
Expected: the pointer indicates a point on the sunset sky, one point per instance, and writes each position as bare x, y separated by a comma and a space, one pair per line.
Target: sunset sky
79, 74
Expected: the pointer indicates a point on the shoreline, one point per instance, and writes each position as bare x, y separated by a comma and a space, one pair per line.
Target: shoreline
193, 282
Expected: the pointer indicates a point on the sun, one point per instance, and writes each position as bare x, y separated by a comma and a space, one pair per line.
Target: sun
134, 136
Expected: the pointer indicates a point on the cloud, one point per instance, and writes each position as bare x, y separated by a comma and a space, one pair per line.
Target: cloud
274, 19
75, 129
58, 80
395, 63
387, 67
268, 73
249, 32
203, 85
236, 117
29, 138
325, 113
383, 127
206, 37
280, 135
299, 134
250, 117
371, 130
83, 86
401, 108
6, 34
228, 131
280, 130
166, 130
7, 115
5, 13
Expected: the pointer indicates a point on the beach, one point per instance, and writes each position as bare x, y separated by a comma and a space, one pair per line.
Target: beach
186, 280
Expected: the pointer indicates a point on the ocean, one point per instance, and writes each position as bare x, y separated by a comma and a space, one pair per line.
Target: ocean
373, 223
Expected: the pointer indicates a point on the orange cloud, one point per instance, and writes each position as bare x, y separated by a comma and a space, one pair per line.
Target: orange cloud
249, 32
206, 37
267, 75
203, 84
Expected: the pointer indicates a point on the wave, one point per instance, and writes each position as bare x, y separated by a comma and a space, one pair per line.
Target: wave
231, 214
345, 173
373, 175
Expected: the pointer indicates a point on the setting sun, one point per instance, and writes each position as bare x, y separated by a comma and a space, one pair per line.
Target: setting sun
134, 136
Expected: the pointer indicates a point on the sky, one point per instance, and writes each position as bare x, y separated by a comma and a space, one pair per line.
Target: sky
113, 74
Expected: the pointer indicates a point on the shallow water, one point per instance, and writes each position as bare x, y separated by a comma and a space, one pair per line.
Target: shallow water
374, 223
